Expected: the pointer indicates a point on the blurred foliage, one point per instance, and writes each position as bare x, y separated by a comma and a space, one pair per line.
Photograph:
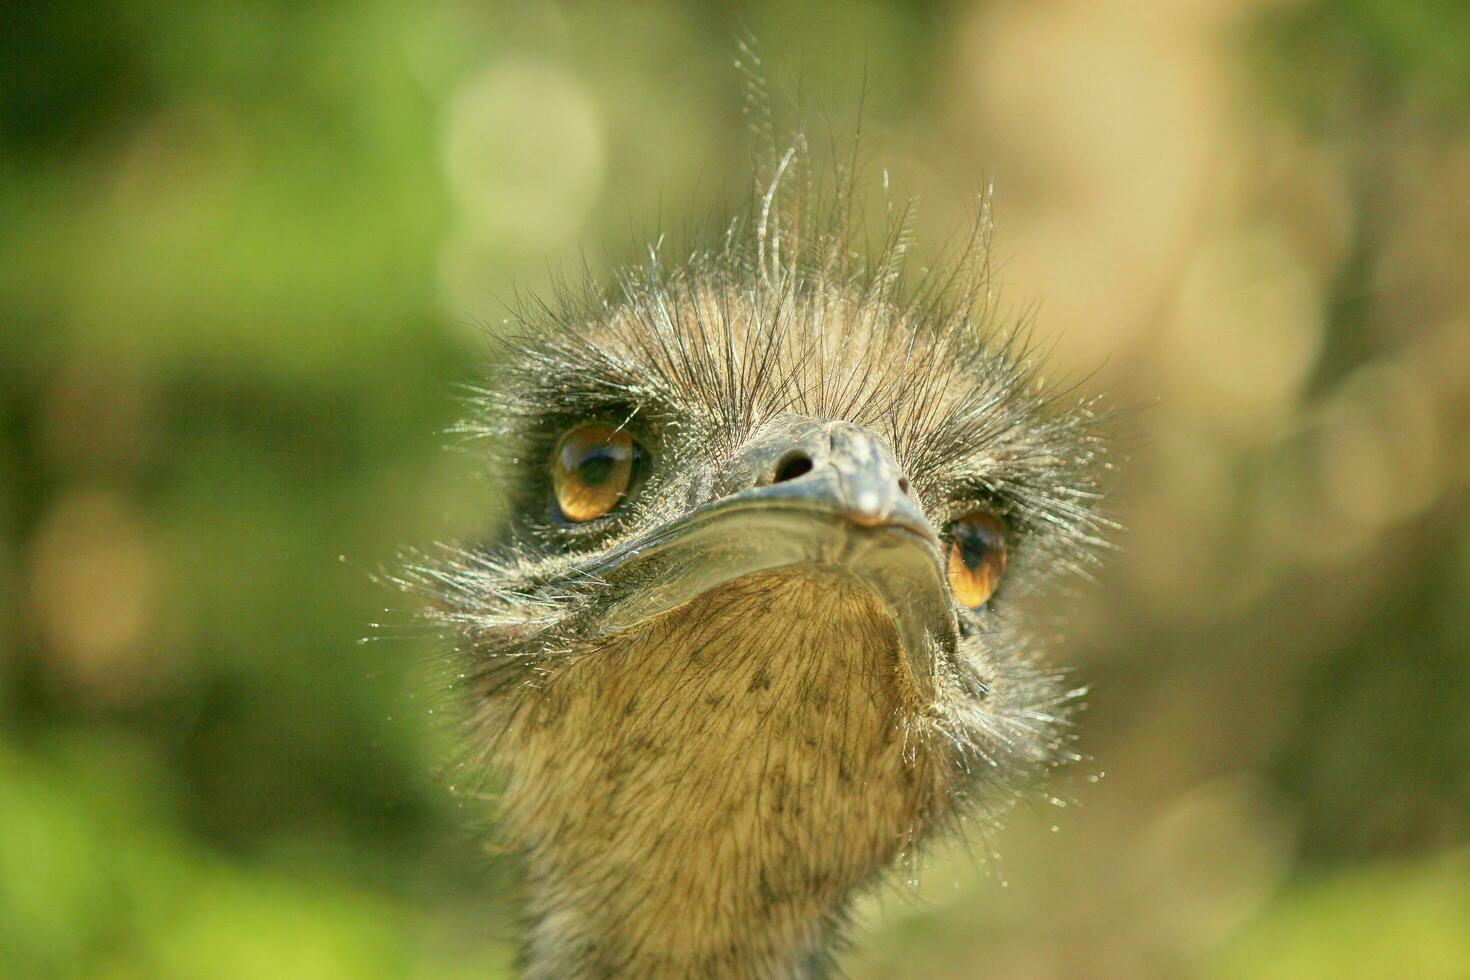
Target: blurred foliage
1383, 55
246, 253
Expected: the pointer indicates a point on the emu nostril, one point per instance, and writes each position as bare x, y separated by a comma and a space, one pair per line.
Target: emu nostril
903, 485
792, 466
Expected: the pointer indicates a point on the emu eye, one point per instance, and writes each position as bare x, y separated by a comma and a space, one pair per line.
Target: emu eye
592, 468
977, 557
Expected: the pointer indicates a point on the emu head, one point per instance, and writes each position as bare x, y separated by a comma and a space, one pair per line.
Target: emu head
747, 636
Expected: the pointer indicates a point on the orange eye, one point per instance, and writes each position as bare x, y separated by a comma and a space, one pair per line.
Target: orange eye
591, 470
977, 557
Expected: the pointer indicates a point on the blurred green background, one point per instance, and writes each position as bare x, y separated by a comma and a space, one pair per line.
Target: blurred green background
247, 252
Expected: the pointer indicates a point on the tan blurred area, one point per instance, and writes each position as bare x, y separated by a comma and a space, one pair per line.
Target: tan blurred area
250, 250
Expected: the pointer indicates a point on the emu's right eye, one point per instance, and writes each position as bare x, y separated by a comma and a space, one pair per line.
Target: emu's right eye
592, 470
977, 557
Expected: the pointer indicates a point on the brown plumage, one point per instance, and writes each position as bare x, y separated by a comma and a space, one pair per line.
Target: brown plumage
747, 689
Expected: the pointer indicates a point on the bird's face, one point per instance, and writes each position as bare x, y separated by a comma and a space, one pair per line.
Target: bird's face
745, 638
704, 433
747, 635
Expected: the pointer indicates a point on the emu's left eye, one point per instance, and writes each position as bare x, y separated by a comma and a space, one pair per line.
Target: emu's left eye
977, 557
592, 470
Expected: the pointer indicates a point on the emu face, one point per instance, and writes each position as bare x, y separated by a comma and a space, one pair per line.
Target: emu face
746, 639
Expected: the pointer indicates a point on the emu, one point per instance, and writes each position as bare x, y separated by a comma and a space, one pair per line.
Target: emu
747, 639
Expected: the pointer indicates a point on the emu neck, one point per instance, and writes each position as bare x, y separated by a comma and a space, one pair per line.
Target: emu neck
701, 797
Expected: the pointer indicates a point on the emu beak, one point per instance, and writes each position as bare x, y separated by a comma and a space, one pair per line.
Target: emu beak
843, 506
